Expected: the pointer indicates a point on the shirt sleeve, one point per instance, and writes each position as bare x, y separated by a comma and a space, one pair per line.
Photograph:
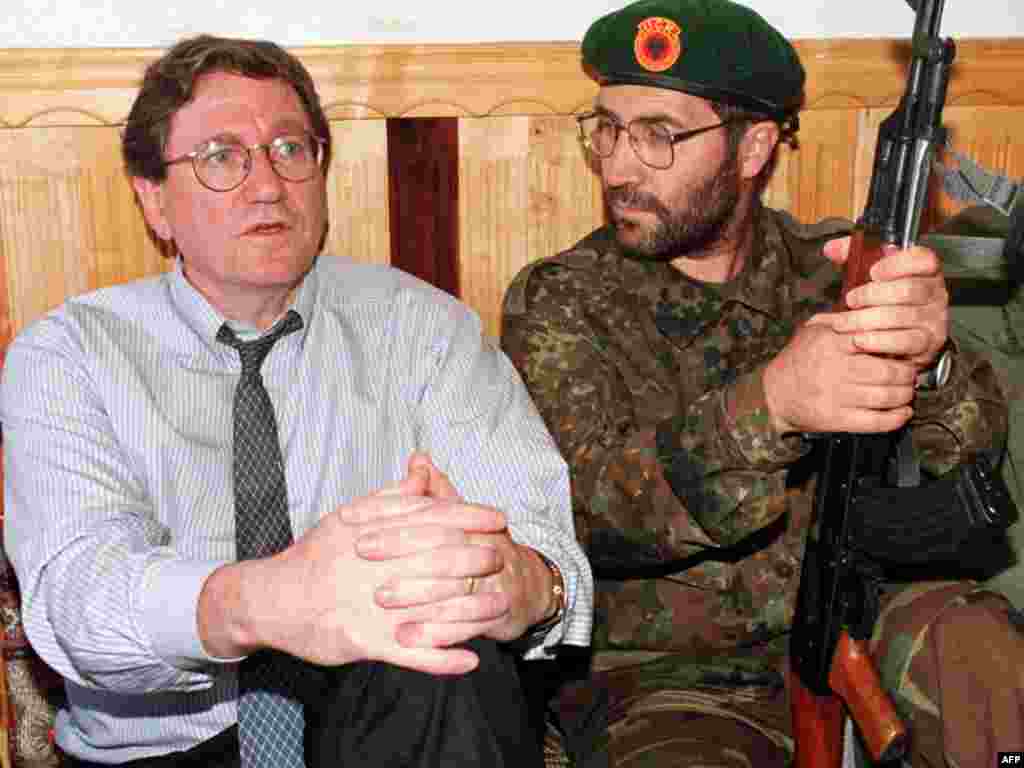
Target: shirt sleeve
968, 415
483, 430
649, 490
106, 601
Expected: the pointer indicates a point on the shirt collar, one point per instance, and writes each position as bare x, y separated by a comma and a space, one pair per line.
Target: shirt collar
196, 312
758, 283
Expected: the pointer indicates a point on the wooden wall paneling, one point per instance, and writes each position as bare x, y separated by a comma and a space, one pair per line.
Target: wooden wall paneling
423, 193
869, 121
514, 97
817, 178
493, 209
357, 192
67, 217
118, 236
992, 136
40, 207
69, 86
6, 308
95, 86
563, 190
873, 72
444, 80
527, 192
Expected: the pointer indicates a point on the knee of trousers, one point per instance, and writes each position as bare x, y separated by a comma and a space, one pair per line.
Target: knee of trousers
957, 674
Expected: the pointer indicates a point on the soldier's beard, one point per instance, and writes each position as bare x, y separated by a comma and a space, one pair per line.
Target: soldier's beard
685, 230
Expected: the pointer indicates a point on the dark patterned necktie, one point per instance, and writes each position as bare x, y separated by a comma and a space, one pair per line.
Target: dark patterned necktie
270, 719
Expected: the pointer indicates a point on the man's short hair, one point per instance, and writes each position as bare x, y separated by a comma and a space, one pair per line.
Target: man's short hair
170, 82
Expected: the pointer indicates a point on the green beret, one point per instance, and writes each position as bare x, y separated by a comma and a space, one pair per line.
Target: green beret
715, 49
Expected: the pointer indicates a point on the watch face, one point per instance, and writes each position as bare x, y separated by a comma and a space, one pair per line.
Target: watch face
943, 368
938, 374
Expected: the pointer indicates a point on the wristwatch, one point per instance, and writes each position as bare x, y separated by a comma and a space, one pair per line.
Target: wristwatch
938, 374
557, 592
535, 634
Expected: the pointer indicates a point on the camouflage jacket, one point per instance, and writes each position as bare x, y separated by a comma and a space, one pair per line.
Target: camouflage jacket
695, 521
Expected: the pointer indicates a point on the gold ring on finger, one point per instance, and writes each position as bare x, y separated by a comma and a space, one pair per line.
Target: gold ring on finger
470, 585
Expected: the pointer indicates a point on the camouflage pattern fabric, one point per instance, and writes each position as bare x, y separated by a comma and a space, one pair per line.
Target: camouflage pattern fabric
998, 333
692, 510
950, 653
940, 647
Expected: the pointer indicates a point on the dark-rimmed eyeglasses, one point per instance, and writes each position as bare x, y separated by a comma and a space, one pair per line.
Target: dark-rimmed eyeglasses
653, 143
222, 164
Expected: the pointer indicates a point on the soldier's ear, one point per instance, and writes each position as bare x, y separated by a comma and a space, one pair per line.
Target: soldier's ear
756, 148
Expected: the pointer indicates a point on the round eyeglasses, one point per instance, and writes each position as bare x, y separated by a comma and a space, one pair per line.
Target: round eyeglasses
222, 165
652, 142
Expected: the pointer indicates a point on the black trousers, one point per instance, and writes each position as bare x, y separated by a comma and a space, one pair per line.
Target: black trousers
374, 715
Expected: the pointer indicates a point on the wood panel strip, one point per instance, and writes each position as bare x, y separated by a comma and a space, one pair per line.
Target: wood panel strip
564, 197
494, 176
527, 192
357, 192
68, 218
423, 195
6, 325
91, 86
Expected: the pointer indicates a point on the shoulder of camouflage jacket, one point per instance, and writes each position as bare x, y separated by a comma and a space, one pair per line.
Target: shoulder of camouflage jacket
804, 241
583, 255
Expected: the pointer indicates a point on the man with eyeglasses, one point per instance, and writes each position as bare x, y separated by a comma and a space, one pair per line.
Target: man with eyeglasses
680, 355
274, 509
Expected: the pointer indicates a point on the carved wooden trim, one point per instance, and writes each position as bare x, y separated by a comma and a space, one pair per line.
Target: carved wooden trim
96, 86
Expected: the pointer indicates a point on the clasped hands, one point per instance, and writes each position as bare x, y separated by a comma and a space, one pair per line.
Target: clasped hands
855, 371
399, 576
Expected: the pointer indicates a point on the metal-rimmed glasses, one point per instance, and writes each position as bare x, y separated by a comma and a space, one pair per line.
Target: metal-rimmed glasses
653, 143
223, 164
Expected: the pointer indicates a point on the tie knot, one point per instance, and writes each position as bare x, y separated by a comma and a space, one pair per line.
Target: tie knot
253, 352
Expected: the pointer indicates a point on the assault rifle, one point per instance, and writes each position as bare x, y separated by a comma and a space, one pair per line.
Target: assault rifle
863, 517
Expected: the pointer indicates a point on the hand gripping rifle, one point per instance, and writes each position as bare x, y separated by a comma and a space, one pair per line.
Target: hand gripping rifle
871, 509
832, 674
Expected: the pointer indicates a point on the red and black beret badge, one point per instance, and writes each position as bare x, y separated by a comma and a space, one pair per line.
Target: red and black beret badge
657, 44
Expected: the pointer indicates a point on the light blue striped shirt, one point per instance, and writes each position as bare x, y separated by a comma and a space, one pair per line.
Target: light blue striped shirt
116, 412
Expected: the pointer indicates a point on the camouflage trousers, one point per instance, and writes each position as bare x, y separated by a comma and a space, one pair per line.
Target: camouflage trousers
950, 653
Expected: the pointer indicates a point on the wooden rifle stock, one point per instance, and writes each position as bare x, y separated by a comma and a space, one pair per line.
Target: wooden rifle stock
832, 674
818, 720
817, 726
852, 675
854, 679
